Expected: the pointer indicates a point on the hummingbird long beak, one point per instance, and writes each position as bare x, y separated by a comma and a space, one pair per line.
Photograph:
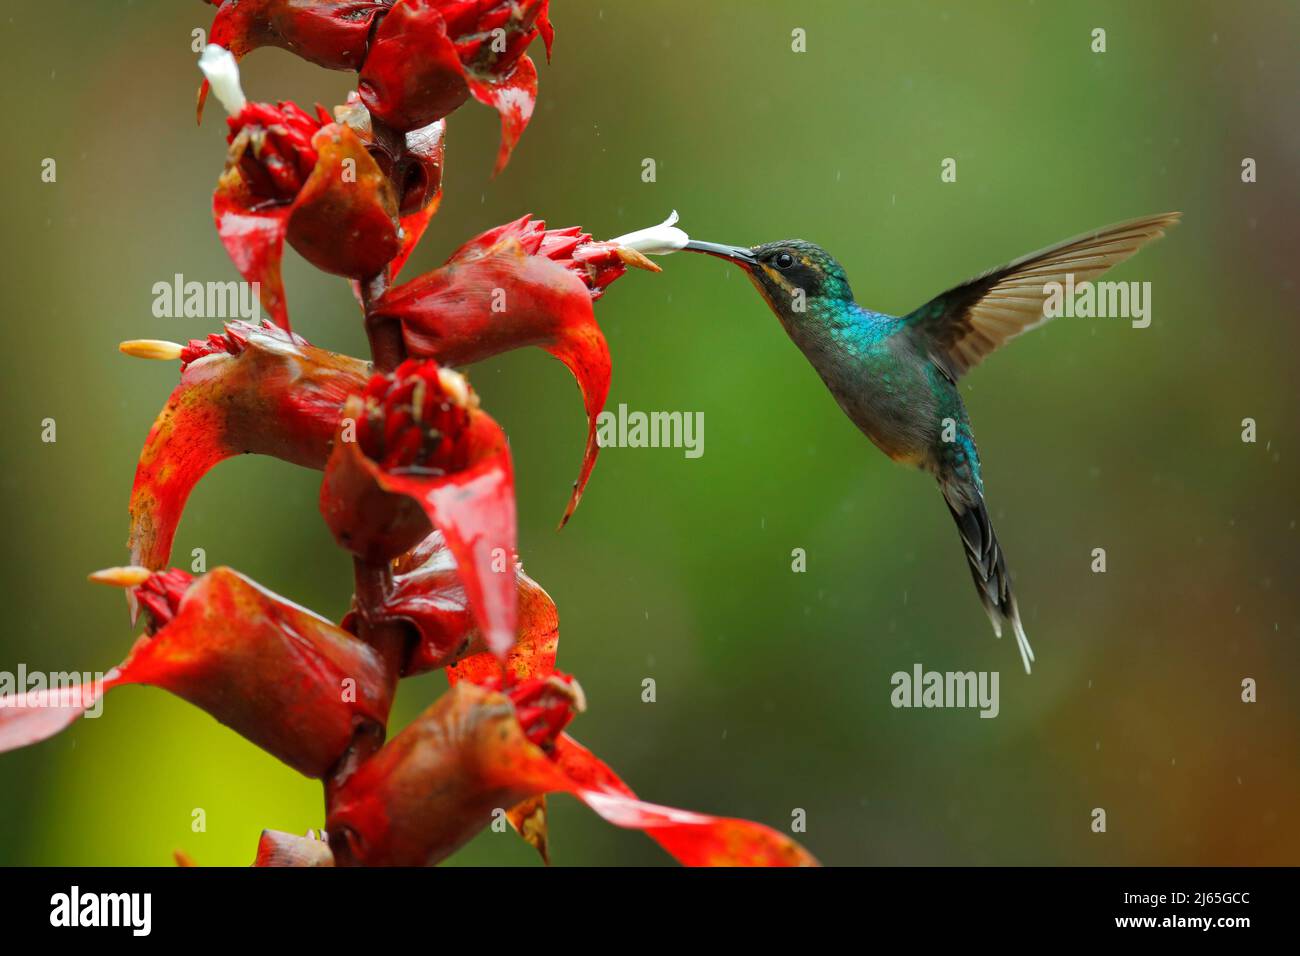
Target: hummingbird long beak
737, 254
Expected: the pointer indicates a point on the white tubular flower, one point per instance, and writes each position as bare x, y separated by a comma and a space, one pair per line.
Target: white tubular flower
658, 240
219, 66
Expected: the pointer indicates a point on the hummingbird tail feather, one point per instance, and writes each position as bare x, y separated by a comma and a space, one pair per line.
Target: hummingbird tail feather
988, 565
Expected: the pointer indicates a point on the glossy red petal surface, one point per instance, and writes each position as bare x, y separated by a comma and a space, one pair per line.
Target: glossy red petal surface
253, 234
412, 74
329, 33
693, 839
475, 511
369, 511
514, 97
440, 781
291, 682
492, 297
428, 594
278, 396
344, 221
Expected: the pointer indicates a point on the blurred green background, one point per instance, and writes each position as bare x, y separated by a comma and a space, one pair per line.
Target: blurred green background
773, 687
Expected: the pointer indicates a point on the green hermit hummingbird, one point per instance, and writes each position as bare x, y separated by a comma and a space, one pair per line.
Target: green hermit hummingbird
896, 377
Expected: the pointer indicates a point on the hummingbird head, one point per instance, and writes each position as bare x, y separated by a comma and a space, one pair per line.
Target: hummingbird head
798, 279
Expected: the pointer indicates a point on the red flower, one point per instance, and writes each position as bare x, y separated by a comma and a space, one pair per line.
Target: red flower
345, 195
330, 33
412, 160
429, 56
259, 390
296, 685
518, 284
305, 179
427, 594
419, 59
423, 453
476, 751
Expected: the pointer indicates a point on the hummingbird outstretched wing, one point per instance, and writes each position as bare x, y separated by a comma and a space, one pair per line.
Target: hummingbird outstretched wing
967, 322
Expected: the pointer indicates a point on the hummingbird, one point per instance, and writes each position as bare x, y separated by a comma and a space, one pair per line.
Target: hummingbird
896, 376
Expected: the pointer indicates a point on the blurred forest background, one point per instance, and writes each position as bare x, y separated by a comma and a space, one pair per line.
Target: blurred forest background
772, 687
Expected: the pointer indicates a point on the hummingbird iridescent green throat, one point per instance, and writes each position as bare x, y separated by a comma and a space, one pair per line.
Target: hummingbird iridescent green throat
896, 377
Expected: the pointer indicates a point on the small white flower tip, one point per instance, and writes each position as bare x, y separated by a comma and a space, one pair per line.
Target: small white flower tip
219, 66
658, 240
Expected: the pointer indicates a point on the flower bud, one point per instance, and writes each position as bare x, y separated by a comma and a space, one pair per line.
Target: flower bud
424, 454
427, 595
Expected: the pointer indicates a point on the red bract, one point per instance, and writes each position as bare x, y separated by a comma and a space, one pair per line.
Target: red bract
275, 151
427, 595
330, 33
412, 160
296, 685
418, 59
311, 182
429, 56
259, 390
423, 453
512, 286
440, 781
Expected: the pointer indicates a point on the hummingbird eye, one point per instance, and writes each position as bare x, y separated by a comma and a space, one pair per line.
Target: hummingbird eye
783, 260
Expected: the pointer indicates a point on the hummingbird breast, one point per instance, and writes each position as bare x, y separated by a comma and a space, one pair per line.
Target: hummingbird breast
896, 396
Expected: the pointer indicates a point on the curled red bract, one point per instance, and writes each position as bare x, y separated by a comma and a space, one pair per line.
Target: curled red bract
428, 595
423, 454
443, 778
254, 389
327, 196
330, 33
413, 160
291, 682
418, 60
513, 286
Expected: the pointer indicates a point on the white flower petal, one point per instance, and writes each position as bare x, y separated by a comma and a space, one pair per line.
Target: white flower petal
657, 240
219, 66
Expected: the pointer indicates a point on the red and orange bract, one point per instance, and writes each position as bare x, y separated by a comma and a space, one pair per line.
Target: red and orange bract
327, 196
418, 60
516, 285
259, 390
296, 685
427, 595
439, 781
462, 484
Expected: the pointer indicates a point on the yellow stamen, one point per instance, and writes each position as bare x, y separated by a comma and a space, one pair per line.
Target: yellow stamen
124, 577
636, 259
151, 349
